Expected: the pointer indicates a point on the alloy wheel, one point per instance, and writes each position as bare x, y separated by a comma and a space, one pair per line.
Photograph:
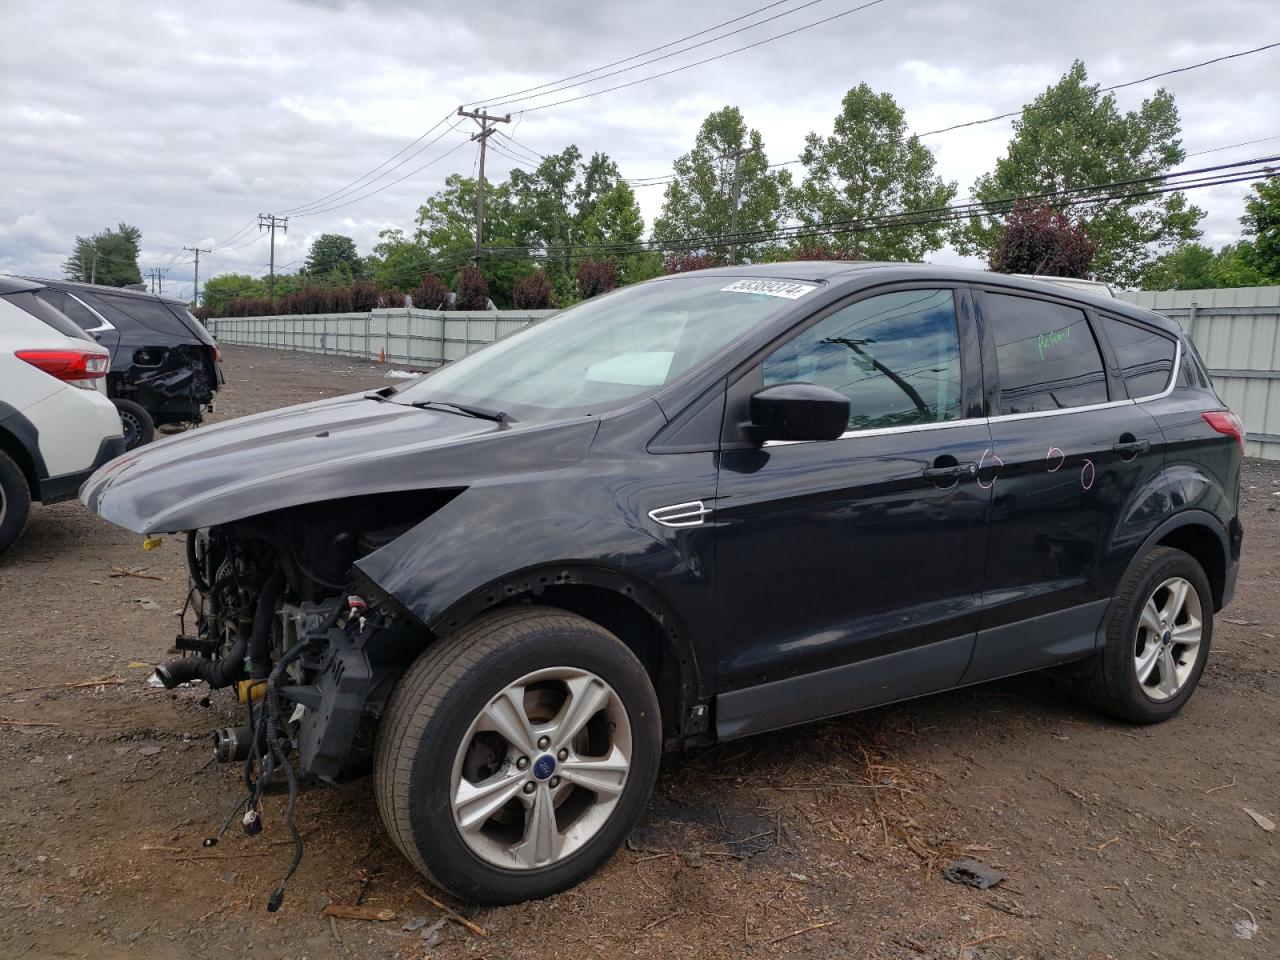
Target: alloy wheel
1168, 638
541, 768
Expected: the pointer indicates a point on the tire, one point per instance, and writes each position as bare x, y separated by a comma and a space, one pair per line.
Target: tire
15, 502
139, 428
1134, 645
428, 744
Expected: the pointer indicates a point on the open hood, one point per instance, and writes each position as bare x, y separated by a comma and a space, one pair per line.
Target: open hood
342, 447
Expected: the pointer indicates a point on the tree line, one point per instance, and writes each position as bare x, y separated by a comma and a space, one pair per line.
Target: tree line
571, 227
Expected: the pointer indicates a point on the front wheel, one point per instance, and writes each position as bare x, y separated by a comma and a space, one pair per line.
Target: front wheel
1158, 633
516, 756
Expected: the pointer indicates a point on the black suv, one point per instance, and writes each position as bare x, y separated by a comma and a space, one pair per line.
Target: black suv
693, 509
165, 367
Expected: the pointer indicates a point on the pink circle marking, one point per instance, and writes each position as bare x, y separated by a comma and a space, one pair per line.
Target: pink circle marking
982, 462
1087, 475
1048, 459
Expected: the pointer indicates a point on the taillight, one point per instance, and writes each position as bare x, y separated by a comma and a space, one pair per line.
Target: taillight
217, 355
1224, 421
67, 365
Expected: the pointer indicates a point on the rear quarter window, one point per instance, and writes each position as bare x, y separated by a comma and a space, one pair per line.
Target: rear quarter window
1145, 356
153, 314
47, 313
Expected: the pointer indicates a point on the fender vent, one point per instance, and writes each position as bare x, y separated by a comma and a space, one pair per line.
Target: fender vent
681, 514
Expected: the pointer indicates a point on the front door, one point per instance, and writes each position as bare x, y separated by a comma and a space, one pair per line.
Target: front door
849, 571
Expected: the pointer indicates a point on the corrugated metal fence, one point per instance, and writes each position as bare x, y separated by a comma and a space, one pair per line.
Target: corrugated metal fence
1236, 330
1237, 333
417, 338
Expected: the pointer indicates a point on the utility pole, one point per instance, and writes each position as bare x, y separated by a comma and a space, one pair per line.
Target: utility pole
736, 195
195, 290
486, 129
271, 221
156, 275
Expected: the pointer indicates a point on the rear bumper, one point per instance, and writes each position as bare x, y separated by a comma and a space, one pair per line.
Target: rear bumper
67, 485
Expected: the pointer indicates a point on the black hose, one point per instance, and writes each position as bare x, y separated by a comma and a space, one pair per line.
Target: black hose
219, 673
229, 668
193, 564
260, 639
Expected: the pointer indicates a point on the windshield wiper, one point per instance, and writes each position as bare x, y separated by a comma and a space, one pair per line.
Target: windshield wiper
497, 416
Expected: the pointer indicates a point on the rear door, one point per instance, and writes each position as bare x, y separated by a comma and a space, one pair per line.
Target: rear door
849, 571
1073, 465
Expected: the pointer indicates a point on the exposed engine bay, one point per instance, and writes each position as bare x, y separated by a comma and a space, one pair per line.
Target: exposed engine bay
311, 652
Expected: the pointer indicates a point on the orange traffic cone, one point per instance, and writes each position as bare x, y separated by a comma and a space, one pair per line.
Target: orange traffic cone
382, 356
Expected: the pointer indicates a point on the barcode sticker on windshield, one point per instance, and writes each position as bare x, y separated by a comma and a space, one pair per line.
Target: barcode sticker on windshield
786, 289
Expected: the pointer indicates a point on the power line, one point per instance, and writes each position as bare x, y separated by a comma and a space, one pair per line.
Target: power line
392, 183
1216, 175
361, 179
308, 209
666, 56
503, 97
698, 63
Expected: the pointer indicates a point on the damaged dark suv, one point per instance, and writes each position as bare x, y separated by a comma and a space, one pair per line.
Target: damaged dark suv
693, 509
165, 367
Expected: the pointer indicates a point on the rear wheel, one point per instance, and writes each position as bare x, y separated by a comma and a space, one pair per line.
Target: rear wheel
139, 428
15, 502
516, 756
1158, 633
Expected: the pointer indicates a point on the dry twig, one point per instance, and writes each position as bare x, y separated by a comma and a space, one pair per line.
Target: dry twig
796, 933
474, 928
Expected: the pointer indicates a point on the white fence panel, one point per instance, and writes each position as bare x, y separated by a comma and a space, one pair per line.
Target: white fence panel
1237, 333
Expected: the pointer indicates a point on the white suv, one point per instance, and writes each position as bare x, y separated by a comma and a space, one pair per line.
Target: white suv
56, 424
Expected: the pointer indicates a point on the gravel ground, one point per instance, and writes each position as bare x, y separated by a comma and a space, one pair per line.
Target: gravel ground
826, 840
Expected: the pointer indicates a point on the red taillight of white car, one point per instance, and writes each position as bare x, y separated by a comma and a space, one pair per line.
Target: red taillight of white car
1224, 421
68, 365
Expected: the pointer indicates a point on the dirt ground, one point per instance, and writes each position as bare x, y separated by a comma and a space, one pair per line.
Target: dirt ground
825, 840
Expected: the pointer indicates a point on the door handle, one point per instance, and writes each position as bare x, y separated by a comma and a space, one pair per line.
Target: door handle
1131, 448
954, 472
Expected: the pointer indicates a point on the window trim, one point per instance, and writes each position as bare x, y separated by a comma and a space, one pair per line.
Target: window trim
1145, 328
103, 323
971, 380
993, 376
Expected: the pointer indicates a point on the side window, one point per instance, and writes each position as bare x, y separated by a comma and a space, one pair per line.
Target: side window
72, 307
895, 356
1046, 354
1146, 357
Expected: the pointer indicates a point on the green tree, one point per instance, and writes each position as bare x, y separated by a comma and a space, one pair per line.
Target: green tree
1189, 267
1261, 222
616, 220
699, 201
398, 263
334, 255
869, 167
446, 231
229, 286
108, 258
1072, 136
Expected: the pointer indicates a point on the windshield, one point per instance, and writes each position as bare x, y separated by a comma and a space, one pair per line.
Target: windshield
610, 350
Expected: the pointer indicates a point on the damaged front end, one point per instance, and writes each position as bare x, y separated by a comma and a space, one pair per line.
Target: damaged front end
311, 650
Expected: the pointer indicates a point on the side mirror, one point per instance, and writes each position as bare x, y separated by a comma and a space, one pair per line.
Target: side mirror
798, 411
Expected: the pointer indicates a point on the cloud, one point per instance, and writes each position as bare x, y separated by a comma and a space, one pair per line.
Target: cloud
189, 120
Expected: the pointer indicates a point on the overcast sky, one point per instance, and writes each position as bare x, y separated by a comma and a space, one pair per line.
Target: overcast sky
189, 119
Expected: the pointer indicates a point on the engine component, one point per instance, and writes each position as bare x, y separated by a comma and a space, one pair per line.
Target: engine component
231, 744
